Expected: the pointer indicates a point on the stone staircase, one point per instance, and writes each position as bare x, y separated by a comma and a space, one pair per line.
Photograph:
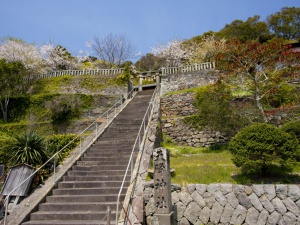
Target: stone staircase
93, 183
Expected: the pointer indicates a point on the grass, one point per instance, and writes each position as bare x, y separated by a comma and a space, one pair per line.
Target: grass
214, 165
182, 91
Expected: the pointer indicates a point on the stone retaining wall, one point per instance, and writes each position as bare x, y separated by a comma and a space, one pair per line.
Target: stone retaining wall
173, 109
177, 82
230, 204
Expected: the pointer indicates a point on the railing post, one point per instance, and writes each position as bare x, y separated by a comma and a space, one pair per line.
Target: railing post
54, 169
80, 145
108, 215
96, 129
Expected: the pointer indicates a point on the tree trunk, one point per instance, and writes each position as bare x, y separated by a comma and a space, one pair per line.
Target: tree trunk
260, 107
4, 108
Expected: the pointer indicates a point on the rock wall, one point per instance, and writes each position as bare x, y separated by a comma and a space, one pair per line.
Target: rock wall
177, 82
173, 109
230, 204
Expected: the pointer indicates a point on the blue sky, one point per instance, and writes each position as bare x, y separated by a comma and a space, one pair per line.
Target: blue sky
71, 23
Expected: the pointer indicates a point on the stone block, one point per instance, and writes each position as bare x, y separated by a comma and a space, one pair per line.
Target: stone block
281, 191
205, 215
227, 214
239, 215
270, 191
279, 206
291, 206
294, 192
258, 190
263, 217
192, 212
266, 203
252, 216
216, 212
255, 202
198, 199
274, 218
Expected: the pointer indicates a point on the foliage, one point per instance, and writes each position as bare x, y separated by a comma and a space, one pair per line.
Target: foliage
27, 147
58, 141
5, 141
11, 83
257, 68
283, 95
292, 127
251, 29
149, 62
285, 23
215, 111
203, 48
264, 149
64, 108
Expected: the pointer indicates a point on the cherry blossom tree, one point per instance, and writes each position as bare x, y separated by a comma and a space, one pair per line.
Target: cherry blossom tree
14, 50
173, 53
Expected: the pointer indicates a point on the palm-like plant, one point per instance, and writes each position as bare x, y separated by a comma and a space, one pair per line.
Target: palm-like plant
27, 147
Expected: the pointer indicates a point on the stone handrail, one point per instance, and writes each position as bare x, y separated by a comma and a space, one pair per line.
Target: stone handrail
188, 68
77, 73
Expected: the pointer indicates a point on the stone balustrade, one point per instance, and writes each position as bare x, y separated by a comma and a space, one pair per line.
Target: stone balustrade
188, 68
77, 73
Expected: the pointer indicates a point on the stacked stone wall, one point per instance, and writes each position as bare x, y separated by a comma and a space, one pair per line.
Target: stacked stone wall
177, 82
227, 204
173, 109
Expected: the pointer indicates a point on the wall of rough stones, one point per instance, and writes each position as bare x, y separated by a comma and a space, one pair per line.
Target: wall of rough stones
173, 110
177, 82
228, 204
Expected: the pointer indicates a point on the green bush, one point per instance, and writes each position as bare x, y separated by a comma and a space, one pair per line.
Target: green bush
292, 128
215, 110
64, 108
285, 94
264, 149
57, 141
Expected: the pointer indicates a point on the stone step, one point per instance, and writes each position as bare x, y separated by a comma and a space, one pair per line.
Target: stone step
95, 173
95, 178
86, 191
71, 215
113, 155
77, 206
97, 168
100, 159
84, 198
91, 184
70, 222
102, 163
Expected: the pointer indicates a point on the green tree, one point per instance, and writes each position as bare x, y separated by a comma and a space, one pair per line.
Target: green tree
286, 23
11, 83
149, 62
264, 149
257, 68
251, 29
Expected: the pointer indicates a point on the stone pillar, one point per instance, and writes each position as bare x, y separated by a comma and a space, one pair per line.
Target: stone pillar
140, 82
157, 78
162, 187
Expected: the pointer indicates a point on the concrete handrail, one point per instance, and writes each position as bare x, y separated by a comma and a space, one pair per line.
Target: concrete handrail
139, 140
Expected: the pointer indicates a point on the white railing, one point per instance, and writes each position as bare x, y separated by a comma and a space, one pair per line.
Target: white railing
77, 73
104, 120
139, 142
188, 68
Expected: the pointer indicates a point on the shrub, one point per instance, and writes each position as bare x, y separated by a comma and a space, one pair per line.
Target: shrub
292, 128
27, 147
215, 111
63, 109
264, 149
57, 141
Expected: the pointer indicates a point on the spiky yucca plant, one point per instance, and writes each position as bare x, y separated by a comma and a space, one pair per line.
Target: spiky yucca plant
27, 147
